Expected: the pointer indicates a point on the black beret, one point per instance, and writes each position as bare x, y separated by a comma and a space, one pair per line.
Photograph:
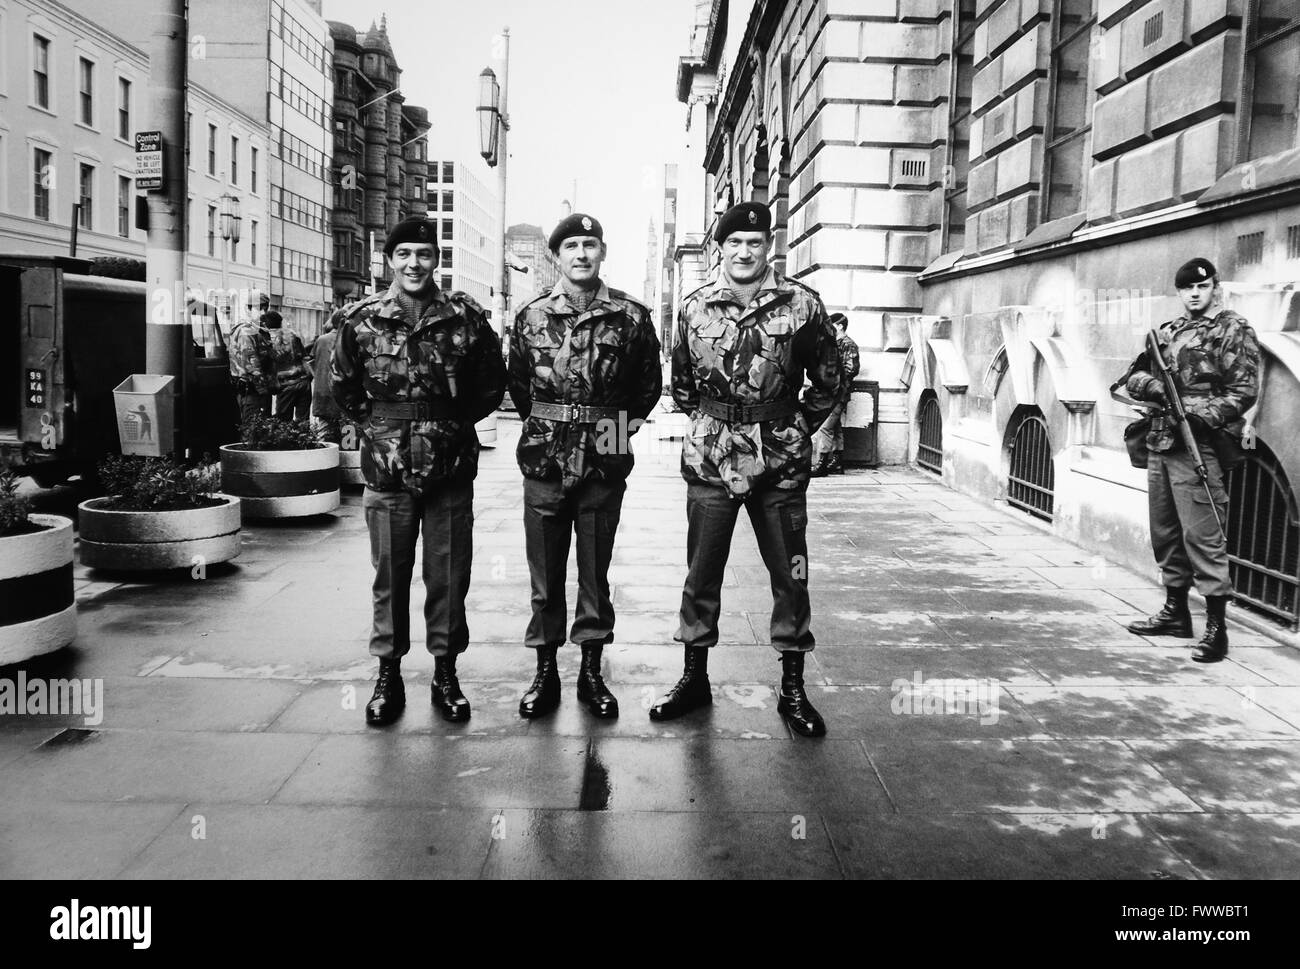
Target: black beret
745, 217
415, 229
1196, 270
577, 224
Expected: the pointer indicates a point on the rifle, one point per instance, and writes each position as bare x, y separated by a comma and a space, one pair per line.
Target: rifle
1179, 415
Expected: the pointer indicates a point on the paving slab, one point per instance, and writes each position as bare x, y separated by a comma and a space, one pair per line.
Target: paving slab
1024, 777
661, 845
1003, 846
1250, 776
706, 774
243, 841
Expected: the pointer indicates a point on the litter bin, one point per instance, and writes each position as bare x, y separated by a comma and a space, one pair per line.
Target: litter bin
146, 406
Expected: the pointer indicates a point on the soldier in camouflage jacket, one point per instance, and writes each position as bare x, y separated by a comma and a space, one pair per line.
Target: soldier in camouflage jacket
451, 356
744, 344
252, 368
414, 369
608, 356
1214, 357
583, 345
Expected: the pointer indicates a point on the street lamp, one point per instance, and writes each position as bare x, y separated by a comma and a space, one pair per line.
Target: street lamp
493, 127
489, 115
230, 225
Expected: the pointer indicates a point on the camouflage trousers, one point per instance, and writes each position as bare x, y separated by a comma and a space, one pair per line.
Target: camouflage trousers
1184, 536
253, 405
395, 519
780, 520
551, 517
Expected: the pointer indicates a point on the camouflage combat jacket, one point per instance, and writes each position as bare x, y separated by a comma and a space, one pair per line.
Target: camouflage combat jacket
288, 358
758, 354
252, 368
451, 355
605, 357
1215, 362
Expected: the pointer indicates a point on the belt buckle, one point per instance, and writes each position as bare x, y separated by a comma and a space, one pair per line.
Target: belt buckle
735, 413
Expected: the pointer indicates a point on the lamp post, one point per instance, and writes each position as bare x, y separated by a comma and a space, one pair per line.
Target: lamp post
230, 223
493, 127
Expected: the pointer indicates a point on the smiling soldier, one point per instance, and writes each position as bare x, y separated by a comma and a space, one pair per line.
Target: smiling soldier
744, 342
584, 374
414, 368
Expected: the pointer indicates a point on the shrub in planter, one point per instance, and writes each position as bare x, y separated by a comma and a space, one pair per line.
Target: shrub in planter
38, 611
280, 470
158, 515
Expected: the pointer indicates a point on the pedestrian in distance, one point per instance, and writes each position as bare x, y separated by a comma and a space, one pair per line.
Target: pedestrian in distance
414, 368
1212, 358
584, 373
744, 342
324, 411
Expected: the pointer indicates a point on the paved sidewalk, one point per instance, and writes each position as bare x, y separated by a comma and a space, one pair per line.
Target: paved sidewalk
233, 743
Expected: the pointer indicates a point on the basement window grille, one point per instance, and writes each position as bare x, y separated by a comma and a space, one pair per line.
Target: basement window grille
914, 168
1293, 242
1250, 249
1153, 29
1031, 484
929, 449
1264, 537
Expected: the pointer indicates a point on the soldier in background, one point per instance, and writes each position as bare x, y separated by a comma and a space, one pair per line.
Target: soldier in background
833, 449
325, 412
252, 366
293, 379
1214, 357
414, 368
744, 343
584, 374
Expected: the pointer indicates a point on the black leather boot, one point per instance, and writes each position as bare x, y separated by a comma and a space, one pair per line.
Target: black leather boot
692, 690
1175, 619
544, 695
591, 685
1214, 644
445, 691
389, 698
794, 704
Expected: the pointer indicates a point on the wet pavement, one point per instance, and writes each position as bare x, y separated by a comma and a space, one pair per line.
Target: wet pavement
989, 716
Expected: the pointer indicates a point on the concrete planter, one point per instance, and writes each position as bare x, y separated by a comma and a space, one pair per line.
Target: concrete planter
38, 612
282, 484
152, 540
350, 468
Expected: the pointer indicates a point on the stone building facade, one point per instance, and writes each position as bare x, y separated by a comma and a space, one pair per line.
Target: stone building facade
380, 153
465, 211
998, 192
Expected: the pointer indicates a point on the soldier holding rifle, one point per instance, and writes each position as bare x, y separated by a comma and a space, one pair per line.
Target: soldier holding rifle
1201, 374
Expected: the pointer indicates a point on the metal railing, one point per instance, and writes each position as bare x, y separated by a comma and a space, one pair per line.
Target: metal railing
1264, 537
1031, 483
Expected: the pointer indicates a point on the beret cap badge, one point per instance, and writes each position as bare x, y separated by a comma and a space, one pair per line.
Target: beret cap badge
753, 218
586, 222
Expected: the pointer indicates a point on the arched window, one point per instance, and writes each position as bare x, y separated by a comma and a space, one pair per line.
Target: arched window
1032, 480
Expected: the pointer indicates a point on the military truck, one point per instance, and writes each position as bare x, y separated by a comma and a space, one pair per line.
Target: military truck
67, 338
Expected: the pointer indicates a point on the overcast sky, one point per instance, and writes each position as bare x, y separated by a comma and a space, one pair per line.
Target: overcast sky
592, 98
